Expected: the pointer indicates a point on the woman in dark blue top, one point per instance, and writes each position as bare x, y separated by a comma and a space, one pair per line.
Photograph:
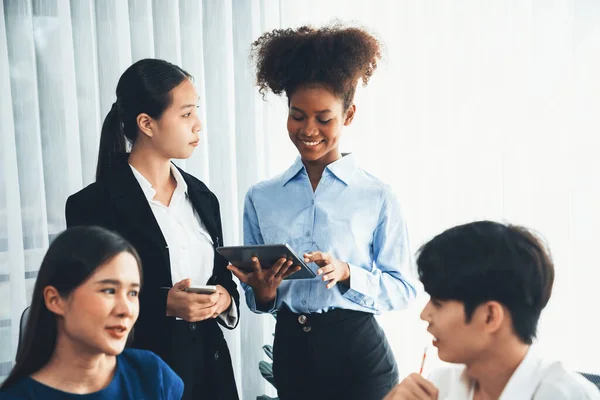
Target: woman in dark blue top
139, 374
84, 305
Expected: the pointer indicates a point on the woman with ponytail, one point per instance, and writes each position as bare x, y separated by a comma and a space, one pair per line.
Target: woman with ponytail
173, 221
112, 141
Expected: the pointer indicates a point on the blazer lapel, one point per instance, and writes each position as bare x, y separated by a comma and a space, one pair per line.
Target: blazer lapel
201, 202
127, 195
200, 198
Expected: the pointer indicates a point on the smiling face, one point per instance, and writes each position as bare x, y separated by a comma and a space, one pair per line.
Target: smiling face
98, 315
315, 121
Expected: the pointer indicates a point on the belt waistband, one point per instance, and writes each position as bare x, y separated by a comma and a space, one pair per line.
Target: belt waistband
335, 316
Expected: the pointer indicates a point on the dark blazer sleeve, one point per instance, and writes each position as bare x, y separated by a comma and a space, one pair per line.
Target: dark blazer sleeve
222, 276
74, 213
81, 208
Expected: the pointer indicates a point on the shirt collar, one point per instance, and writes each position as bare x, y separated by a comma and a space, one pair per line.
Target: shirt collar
292, 171
343, 169
149, 191
526, 378
522, 384
182, 186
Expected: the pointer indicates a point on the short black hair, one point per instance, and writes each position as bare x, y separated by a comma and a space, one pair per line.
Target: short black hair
484, 261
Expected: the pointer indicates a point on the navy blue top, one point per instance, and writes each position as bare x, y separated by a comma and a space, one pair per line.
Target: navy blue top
140, 374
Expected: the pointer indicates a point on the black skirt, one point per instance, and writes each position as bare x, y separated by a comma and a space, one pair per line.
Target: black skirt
341, 354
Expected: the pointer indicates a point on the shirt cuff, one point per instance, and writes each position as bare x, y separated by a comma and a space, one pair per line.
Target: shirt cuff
270, 307
230, 317
361, 282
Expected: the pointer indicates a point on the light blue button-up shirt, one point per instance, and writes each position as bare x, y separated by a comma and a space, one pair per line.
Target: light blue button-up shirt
351, 215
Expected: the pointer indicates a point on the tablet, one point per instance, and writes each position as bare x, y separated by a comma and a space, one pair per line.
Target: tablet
267, 254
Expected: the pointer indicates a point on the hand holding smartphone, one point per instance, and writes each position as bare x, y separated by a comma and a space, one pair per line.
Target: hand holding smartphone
206, 289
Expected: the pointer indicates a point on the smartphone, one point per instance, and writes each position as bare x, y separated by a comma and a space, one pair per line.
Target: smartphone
207, 289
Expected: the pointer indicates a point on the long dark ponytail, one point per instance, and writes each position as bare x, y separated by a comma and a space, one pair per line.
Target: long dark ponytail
71, 259
144, 87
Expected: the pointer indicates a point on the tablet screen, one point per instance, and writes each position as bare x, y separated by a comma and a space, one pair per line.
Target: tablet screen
267, 254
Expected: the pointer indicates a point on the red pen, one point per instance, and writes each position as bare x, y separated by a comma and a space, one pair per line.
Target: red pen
423, 361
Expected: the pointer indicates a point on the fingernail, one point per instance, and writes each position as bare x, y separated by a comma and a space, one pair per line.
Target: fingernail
319, 272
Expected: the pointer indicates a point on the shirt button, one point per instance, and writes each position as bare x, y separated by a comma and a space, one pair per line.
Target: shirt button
192, 326
307, 234
302, 319
303, 302
216, 355
306, 329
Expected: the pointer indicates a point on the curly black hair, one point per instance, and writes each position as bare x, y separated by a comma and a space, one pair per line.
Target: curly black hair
335, 56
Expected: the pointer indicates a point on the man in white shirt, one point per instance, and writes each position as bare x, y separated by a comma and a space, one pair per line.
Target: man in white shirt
488, 284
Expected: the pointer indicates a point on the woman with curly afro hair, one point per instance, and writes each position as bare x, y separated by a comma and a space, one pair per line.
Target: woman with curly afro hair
328, 344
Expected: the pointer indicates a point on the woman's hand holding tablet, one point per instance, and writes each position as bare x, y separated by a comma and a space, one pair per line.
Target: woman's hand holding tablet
265, 282
280, 262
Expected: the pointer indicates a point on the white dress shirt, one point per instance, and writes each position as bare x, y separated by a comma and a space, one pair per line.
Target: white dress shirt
535, 378
191, 251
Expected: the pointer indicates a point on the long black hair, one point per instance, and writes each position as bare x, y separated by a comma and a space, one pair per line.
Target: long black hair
71, 259
144, 87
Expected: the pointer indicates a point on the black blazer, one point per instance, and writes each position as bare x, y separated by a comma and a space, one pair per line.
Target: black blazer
117, 202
